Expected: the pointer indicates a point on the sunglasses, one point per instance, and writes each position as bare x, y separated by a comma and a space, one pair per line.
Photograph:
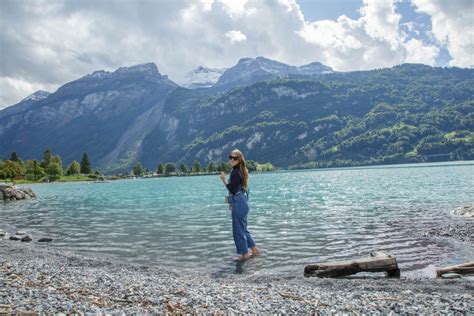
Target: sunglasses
233, 158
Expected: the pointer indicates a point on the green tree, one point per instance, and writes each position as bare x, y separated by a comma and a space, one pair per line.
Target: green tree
33, 170
196, 166
224, 167
46, 159
183, 168
85, 164
54, 171
251, 165
14, 157
211, 167
73, 168
169, 168
57, 159
265, 167
160, 169
138, 169
37, 170
30, 166
12, 169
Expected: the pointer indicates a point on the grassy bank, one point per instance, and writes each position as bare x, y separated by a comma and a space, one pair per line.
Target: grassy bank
72, 178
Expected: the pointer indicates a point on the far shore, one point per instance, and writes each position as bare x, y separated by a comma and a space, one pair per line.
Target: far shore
107, 178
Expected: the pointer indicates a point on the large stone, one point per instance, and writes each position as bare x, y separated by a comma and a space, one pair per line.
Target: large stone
45, 239
19, 195
20, 233
14, 238
11, 192
451, 276
467, 210
2, 233
8, 192
26, 238
30, 192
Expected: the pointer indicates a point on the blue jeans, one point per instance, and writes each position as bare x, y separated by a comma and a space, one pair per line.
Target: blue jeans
240, 209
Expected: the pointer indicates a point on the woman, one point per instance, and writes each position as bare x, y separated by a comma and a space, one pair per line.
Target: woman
237, 186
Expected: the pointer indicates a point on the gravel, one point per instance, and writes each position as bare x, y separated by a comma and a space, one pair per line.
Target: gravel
38, 278
462, 232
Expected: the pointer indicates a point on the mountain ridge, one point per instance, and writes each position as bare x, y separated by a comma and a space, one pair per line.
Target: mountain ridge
137, 114
251, 70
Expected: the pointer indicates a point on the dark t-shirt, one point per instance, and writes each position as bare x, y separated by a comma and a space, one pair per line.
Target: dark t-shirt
235, 183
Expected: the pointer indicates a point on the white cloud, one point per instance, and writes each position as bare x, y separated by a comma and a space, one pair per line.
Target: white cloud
18, 89
381, 22
372, 41
453, 26
234, 8
43, 49
236, 36
418, 52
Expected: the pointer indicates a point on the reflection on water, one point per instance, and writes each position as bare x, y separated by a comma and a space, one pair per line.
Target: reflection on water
296, 217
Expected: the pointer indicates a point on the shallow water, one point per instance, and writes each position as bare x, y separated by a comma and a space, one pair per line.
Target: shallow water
296, 217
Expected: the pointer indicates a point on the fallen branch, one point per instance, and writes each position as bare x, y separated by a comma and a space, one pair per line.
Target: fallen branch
378, 262
464, 268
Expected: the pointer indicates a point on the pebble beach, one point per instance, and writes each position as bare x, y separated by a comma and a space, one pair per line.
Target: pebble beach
40, 279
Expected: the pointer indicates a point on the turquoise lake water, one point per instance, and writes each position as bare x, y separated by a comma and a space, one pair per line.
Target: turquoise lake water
296, 217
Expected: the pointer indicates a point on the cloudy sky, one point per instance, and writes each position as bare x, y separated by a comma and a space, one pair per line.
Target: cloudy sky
44, 44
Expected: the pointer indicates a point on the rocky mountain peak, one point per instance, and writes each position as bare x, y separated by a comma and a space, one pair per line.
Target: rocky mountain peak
315, 68
36, 96
147, 68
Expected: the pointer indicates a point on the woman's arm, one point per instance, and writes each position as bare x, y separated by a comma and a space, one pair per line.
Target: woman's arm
222, 176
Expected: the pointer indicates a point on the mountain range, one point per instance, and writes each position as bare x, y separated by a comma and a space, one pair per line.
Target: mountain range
291, 116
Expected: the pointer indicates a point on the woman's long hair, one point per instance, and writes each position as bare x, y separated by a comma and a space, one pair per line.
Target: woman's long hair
243, 168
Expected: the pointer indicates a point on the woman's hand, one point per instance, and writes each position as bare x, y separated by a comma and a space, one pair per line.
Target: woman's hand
222, 176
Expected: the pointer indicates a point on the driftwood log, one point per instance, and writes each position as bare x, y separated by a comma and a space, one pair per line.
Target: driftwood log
460, 268
377, 262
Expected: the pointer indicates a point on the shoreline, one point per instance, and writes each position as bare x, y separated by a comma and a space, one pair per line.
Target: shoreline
46, 280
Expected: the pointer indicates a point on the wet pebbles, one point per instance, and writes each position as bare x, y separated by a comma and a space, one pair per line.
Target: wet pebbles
462, 232
22, 236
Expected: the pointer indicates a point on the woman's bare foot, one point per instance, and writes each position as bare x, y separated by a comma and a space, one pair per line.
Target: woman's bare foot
255, 251
243, 257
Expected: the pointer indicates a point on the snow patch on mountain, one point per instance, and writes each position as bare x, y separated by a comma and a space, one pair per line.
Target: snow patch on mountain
202, 77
